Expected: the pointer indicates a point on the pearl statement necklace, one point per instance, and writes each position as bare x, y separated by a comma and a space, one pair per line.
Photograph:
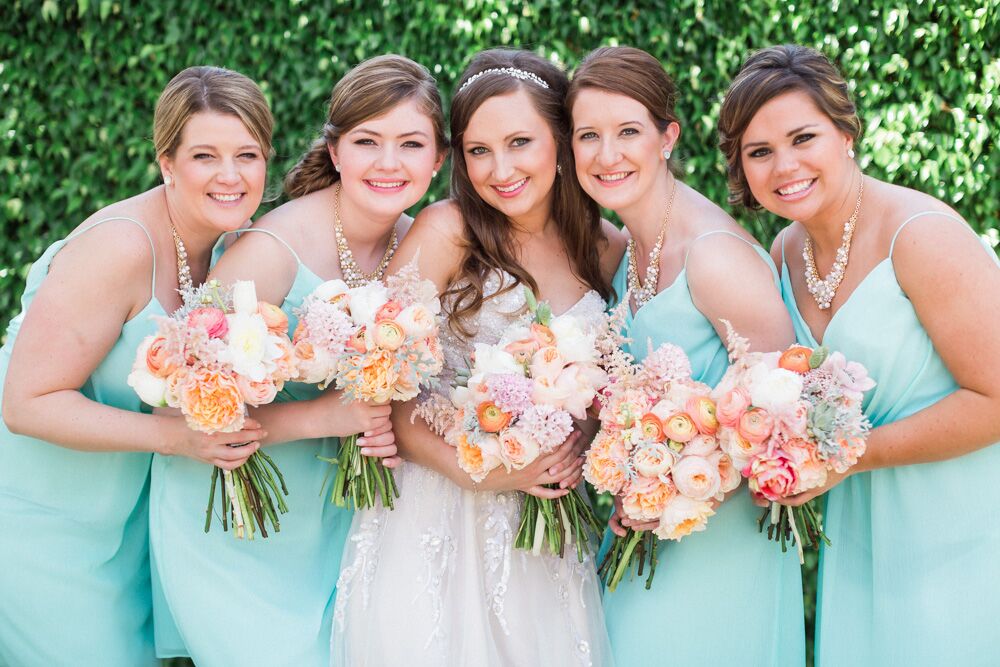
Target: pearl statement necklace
352, 273
642, 292
184, 282
823, 290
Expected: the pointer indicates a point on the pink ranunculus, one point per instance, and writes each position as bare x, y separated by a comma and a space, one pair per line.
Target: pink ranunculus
756, 425
731, 406
772, 475
212, 320
702, 411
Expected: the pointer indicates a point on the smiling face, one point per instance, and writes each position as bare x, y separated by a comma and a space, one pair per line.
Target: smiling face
386, 162
217, 172
510, 155
618, 148
795, 159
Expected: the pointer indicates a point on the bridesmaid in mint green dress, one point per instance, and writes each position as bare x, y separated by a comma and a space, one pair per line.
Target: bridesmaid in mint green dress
725, 595
912, 576
74, 449
270, 601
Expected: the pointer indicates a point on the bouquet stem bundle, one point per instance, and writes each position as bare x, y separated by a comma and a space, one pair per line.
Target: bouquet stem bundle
559, 522
360, 479
635, 548
250, 496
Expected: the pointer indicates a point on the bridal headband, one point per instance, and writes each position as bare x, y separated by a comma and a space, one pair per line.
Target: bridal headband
509, 71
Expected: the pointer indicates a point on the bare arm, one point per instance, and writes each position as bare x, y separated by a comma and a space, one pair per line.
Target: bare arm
94, 284
952, 283
730, 281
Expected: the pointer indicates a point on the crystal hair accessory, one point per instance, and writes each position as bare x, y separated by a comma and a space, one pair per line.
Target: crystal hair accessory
509, 71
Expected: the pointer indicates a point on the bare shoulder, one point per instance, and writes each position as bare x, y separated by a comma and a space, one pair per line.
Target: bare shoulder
784, 236
443, 217
436, 236
112, 244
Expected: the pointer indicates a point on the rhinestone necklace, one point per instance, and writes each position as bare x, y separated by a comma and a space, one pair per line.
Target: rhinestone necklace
349, 269
642, 292
824, 289
184, 282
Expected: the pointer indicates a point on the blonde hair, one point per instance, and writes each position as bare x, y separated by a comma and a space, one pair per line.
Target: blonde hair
369, 90
765, 75
198, 89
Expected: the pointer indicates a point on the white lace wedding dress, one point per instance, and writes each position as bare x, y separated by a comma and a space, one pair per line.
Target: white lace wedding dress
437, 581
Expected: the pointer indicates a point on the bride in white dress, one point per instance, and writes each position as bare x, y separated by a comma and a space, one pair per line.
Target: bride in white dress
438, 581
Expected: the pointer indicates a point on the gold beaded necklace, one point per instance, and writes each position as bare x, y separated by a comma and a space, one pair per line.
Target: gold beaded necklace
643, 292
184, 282
349, 269
824, 289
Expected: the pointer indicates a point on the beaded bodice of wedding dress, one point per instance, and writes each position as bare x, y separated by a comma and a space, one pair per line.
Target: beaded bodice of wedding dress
437, 581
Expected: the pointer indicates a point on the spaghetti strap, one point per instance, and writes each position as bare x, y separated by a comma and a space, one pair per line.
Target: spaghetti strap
763, 254
892, 245
152, 246
272, 235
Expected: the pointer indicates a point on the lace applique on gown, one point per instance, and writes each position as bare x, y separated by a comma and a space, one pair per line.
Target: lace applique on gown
437, 581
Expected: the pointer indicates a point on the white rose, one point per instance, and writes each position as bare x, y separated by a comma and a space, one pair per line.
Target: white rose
683, 516
330, 289
696, 477
151, 389
774, 389
573, 343
700, 445
366, 300
249, 348
417, 321
490, 359
244, 297
653, 460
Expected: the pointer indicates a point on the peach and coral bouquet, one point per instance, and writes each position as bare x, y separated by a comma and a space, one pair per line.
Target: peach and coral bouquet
658, 452
376, 343
788, 419
519, 403
221, 351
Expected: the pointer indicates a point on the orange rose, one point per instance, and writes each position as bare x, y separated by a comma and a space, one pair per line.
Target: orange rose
304, 350
389, 335
378, 376
491, 418
542, 334
274, 318
795, 359
646, 498
211, 401
652, 427
701, 409
158, 359
680, 428
470, 457
604, 467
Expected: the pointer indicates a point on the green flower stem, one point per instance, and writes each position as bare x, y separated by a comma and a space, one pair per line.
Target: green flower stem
211, 498
360, 479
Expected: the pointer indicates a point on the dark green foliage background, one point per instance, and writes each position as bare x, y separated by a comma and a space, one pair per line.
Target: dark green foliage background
78, 82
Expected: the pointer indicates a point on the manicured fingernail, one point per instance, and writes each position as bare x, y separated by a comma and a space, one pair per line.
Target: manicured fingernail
366, 452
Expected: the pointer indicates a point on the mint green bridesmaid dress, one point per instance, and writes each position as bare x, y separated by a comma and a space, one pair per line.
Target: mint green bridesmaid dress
242, 602
913, 574
74, 556
725, 596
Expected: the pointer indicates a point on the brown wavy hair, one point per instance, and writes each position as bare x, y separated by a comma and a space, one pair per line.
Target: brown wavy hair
372, 88
766, 74
631, 72
488, 234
